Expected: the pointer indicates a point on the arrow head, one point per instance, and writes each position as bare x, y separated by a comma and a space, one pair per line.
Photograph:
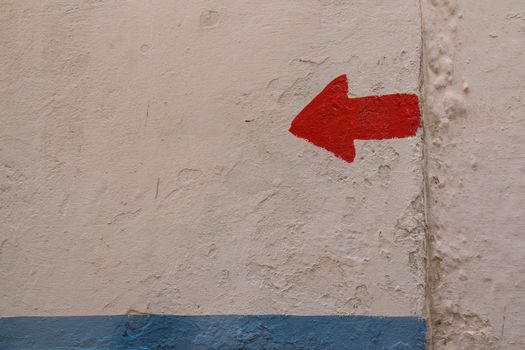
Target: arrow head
319, 123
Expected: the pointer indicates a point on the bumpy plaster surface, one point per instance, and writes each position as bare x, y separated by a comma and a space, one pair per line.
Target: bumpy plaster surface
147, 165
474, 110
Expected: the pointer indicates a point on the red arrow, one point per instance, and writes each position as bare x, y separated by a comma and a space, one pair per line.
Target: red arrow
333, 121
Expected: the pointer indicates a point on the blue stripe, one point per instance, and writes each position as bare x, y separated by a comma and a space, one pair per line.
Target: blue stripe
229, 332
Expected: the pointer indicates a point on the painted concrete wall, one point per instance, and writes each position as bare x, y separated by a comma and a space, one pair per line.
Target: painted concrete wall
147, 168
149, 160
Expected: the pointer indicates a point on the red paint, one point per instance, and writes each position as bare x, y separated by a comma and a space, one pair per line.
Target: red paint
333, 121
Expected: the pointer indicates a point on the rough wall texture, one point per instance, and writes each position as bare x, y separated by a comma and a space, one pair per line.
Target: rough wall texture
474, 116
147, 163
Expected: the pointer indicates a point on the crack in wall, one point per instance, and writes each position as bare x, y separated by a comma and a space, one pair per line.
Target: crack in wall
428, 303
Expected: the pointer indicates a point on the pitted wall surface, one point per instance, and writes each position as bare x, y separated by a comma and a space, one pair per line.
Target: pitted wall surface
147, 165
474, 116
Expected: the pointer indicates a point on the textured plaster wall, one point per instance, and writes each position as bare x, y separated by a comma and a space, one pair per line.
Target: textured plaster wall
147, 166
474, 115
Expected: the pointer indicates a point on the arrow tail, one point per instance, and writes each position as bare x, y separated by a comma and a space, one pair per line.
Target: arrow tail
386, 117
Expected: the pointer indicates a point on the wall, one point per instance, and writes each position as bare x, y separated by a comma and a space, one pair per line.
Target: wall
474, 120
152, 195
148, 167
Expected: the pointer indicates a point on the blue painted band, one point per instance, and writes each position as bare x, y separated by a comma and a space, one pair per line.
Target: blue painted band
228, 332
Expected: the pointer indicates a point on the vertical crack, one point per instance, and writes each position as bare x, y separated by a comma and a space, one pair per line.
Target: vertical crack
428, 302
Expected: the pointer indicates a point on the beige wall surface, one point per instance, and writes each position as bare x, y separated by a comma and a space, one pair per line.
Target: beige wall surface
475, 125
147, 164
